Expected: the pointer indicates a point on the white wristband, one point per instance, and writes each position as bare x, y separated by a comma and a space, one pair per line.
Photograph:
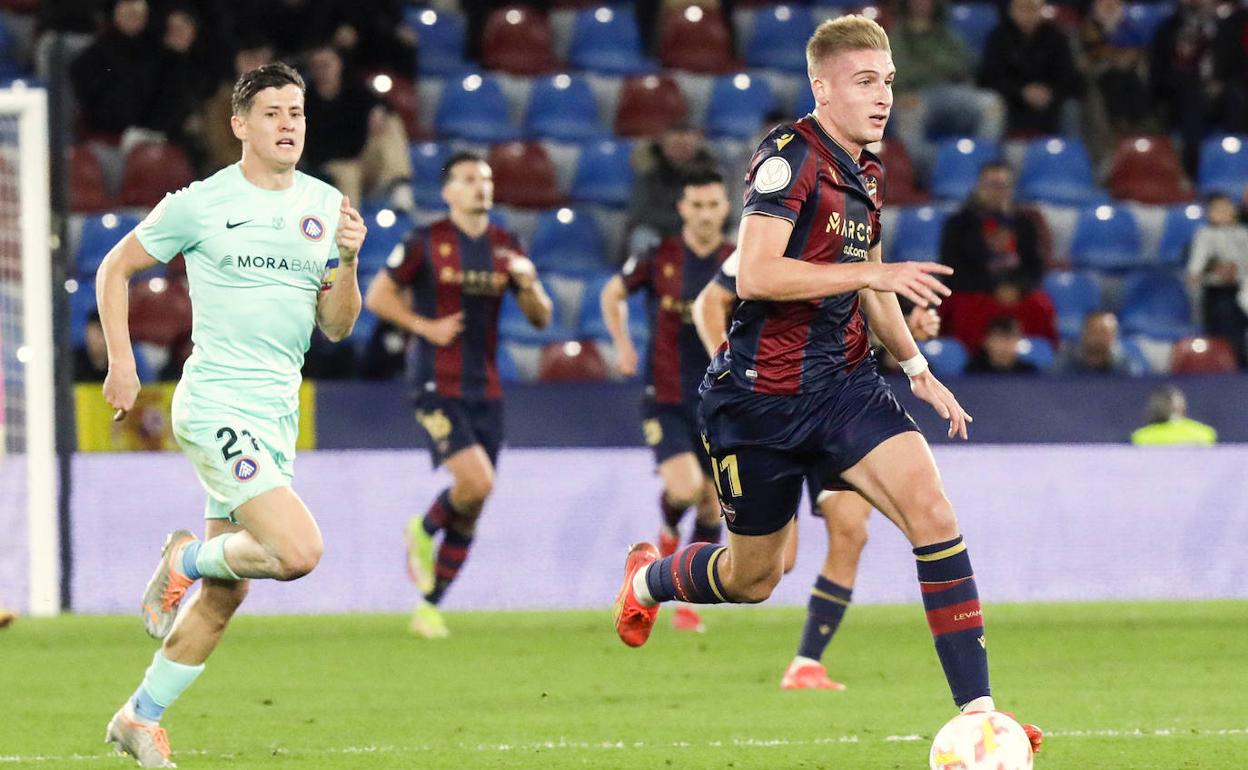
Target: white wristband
913, 367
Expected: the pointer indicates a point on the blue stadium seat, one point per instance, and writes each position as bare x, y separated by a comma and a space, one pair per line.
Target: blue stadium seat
514, 327
1057, 171
591, 326
386, 230
1142, 21
442, 35
1074, 295
81, 303
562, 107
956, 167
1106, 238
946, 356
99, 234
1036, 351
507, 369
1155, 304
973, 22
776, 42
367, 323
474, 108
1177, 232
805, 101
428, 158
604, 173
569, 241
738, 105
606, 39
9, 65
917, 235
1136, 357
1223, 165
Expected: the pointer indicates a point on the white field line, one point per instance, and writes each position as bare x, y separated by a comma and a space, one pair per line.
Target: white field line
564, 743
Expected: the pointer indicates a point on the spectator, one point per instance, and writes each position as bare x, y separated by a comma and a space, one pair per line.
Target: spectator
358, 145
1169, 425
370, 35
91, 360
186, 79
117, 76
292, 25
221, 147
661, 167
1028, 62
999, 355
1098, 351
994, 250
936, 96
1217, 272
1113, 47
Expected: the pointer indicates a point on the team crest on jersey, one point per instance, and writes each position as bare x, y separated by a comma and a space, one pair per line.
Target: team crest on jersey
245, 469
669, 271
873, 185
774, 174
312, 227
444, 249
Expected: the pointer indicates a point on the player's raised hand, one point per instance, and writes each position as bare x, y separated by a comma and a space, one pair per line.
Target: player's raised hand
927, 387
443, 331
626, 359
916, 281
351, 232
924, 323
121, 388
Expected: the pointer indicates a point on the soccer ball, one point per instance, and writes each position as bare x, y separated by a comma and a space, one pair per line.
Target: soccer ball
981, 740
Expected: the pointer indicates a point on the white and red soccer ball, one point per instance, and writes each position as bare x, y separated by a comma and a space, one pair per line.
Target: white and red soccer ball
981, 740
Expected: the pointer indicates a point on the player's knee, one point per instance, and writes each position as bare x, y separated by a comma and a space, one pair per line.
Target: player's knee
473, 491
932, 519
850, 535
299, 560
754, 588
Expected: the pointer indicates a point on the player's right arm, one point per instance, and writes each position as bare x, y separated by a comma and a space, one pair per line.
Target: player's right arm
613, 301
713, 305
385, 299
112, 294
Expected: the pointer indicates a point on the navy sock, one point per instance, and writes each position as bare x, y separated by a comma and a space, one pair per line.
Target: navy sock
955, 617
451, 556
828, 602
439, 512
706, 533
690, 575
671, 514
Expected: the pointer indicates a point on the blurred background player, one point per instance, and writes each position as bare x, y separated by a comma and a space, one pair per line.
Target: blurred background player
671, 274
236, 408
843, 510
795, 390
444, 285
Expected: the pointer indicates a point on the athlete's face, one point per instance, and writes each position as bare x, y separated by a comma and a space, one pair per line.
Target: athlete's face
273, 129
703, 209
470, 187
854, 94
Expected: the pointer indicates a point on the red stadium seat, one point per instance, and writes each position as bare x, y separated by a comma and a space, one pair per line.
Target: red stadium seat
1202, 355
648, 105
399, 95
899, 188
153, 169
571, 362
695, 39
160, 311
88, 191
517, 40
1148, 170
524, 175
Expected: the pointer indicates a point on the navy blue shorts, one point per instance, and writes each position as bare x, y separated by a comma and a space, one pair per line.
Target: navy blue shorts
671, 429
452, 424
763, 446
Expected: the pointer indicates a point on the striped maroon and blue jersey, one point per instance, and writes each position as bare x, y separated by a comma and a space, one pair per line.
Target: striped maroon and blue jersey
801, 174
449, 272
672, 275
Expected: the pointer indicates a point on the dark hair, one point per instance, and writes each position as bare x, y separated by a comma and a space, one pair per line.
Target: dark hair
1004, 324
701, 176
276, 75
462, 156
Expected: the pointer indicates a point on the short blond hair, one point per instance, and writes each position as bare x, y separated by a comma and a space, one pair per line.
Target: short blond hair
847, 33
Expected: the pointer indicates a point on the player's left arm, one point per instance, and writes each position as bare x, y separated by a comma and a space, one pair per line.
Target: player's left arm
338, 305
530, 294
889, 324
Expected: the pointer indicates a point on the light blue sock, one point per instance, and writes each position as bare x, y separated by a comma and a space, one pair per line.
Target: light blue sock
210, 559
164, 681
190, 553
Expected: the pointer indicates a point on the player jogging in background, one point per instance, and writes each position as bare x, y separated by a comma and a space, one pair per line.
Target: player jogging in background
795, 391
672, 273
456, 271
270, 253
844, 512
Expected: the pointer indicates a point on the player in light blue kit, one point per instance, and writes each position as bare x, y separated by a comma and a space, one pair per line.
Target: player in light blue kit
270, 252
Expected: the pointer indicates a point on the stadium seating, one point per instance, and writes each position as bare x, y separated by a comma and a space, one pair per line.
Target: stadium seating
99, 234
1058, 171
399, 95
591, 324
1224, 165
606, 39
524, 175
917, 236
738, 105
81, 305
517, 40
151, 170
946, 356
648, 105
568, 241
604, 173
507, 369
88, 192
1177, 232
1037, 351
442, 35
1074, 296
473, 108
899, 186
1106, 238
562, 107
571, 361
956, 167
696, 39
386, 229
771, 44
514, 327
973, 22
1146, 169
1202, 355
1144, 19
1155, 304
428, 158
160, 311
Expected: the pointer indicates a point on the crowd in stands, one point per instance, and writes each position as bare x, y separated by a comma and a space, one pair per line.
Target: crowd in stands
1082, 165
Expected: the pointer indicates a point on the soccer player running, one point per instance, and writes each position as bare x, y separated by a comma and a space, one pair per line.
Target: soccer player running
795, 391
270, 253
672, 273
844, 511
456, 271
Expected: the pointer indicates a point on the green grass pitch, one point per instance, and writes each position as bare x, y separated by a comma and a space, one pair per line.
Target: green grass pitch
1143, 686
